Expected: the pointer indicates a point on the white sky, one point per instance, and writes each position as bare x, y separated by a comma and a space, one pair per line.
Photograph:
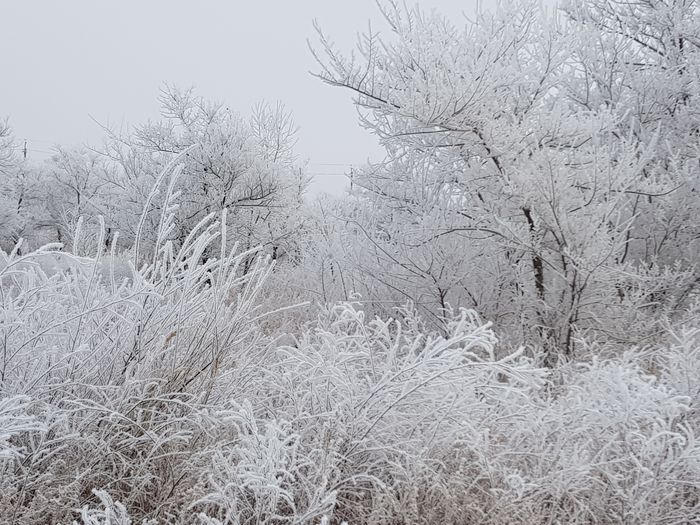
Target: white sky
67, 61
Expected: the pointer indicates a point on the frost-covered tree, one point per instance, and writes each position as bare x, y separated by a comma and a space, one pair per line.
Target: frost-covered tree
8, 208
22, 187
82, 186
244, 164
502, 190
7, 153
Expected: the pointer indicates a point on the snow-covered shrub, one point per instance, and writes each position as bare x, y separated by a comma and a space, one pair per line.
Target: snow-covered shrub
423, 428
112, 513
14, 419
350, 415
377, 421
121, 374
381, 421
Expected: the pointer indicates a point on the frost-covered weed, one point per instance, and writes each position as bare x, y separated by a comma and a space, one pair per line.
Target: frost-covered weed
112, 513
119, 376
365, 421
14, 420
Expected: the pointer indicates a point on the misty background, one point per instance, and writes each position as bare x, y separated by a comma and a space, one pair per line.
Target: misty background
80, 64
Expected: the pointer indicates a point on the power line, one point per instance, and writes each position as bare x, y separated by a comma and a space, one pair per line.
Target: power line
25, 150
41, 140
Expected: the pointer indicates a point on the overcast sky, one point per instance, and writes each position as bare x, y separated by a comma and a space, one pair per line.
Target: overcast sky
69, 61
